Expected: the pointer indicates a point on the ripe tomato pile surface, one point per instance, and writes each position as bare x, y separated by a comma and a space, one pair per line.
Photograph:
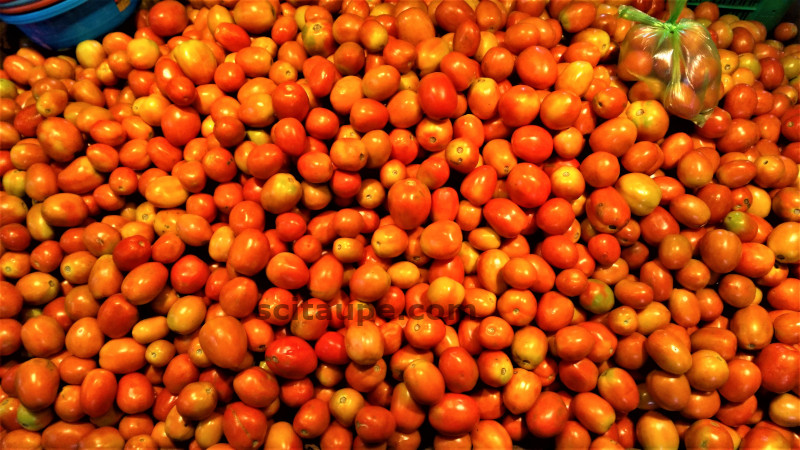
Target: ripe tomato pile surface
452, 223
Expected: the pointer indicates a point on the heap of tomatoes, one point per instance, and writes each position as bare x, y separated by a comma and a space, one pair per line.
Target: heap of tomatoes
384, 225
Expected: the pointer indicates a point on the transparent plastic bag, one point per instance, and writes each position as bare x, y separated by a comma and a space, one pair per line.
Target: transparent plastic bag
677, 60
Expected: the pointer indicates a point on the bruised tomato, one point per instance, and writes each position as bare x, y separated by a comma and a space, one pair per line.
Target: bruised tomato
607, 210
243, 425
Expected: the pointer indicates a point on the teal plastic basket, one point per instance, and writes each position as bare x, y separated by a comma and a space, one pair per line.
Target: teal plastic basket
768, 12
66, 23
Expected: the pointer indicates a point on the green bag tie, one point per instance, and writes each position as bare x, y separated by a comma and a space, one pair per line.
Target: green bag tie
671, 26
635, 15
672, 30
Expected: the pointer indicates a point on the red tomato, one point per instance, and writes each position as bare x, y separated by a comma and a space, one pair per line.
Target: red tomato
459, 369
135, 393
168, 19
548, 416
409, 203
607, 211
291, 357
532, 143
244, 426
593, 412
777, 363
290, 100
224, 341
197, 61
256, 387
437, 96
424, 381
36, 383
537, 67
98, 392
560, 109
505, 217
374, 424
454, 415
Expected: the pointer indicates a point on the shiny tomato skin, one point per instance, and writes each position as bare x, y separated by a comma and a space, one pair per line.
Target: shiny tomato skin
131, 252
478, 186
560, 110
281, 434
409, 203
548, 416
10, 340
490, 434
103, 437
374, 424
135, 393
244, 426
189, 274
532, 144
364, 343
63, 434
764, 437
669, 351
528, 185
537, 67
593, 412
165, 400
256, 387
312, 419
36, 383
291, 357
286, 270
505, 217
116, 316
459, 369
42, 336
232, 37
180, 124
290, 100
168, 18
437, 96
454, 414
142, 284
98, 392
122, 356
60, 139
522, 391
330, 348
618, 387
657, 430
224, 341
779, 365
196, 59
424, 381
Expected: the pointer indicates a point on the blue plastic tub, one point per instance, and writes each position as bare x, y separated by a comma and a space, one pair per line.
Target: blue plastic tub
66, 23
